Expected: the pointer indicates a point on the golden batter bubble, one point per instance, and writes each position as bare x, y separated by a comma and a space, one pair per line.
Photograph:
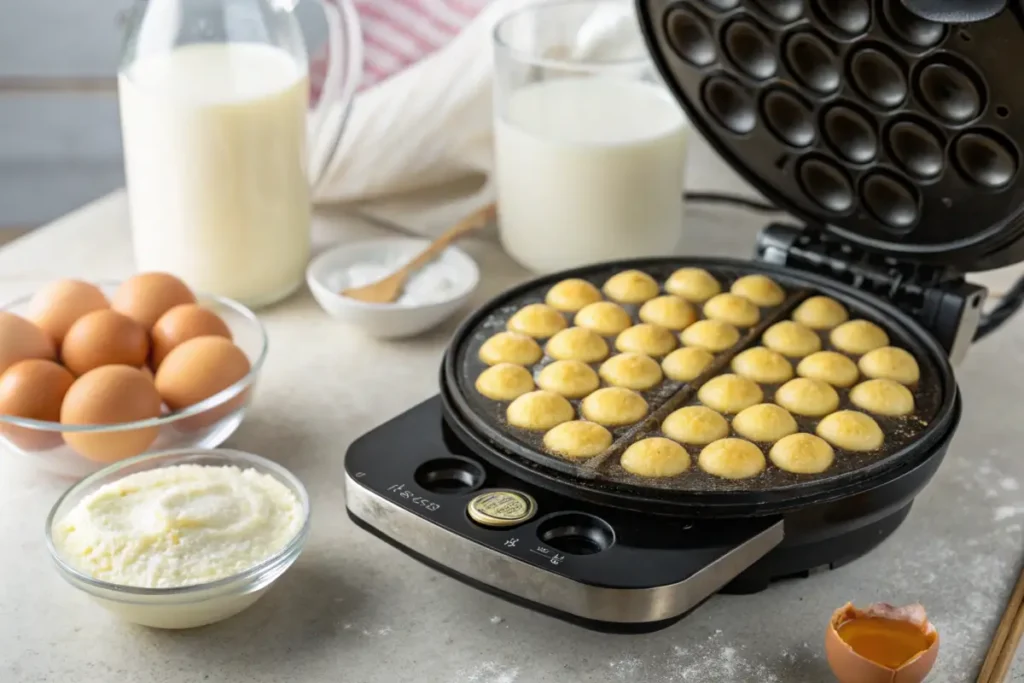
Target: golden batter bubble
729, 393
802, 454
732, 309
631, 371
631, 287
761, 290
539, 321
693, 284
858, 336
695, 425
710, 335
652, 340
851, 431
577, 343
614, 406
510, 347
821, 313
810, 397
732, 459
504, 382
655, 457
829, 366
764, 422
762, 365
577, 439
791, 339
539, 411
883, 397
892, 363
604, 317
571, 295
685, 365
670, 311
569, 378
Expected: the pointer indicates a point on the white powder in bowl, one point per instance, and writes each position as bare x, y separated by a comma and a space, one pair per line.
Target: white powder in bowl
431, 284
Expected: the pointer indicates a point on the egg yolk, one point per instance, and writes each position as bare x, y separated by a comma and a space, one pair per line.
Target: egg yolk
889, 642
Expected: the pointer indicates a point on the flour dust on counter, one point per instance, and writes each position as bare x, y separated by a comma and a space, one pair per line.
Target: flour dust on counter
715, 658
489, 672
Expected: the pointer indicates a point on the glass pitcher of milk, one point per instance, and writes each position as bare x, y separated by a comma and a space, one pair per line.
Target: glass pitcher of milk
219, 139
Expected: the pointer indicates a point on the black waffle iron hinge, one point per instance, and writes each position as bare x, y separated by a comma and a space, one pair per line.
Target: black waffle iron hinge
937, 297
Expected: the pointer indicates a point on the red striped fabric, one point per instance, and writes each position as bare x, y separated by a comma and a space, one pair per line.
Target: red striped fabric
399, 33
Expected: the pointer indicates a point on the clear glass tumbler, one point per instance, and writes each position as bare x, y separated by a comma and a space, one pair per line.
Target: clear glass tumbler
590, 148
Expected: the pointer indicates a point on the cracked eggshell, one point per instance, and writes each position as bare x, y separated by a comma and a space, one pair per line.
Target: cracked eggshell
850, 667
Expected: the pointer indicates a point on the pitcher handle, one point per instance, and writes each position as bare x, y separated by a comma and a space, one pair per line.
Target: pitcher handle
341, 80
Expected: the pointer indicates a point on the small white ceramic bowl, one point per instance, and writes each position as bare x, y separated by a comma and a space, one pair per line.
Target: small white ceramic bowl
327, 276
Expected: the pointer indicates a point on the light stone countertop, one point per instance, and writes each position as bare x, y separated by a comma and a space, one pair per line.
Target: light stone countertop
353, 609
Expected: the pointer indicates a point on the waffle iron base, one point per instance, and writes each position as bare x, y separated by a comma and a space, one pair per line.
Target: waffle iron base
410, 480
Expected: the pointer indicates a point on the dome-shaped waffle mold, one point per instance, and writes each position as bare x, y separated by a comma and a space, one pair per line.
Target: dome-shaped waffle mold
812, 62
916, 148
783, 11
908, 28
721, 5
878, 76
986, 158
848, 18
825, 183
750, 49
690, 37
850, 133
950, 90
730, 104
891, 199
789, 117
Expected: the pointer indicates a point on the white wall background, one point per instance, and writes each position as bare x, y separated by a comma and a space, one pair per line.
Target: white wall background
60, 141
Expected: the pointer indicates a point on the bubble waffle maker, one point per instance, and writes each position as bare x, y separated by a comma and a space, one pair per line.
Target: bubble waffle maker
888, 131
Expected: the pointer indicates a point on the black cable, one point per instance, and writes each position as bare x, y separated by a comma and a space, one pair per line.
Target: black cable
734, 199
997, 317
1011, 302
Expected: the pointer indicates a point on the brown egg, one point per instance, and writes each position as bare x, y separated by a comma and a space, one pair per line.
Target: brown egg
33, 389
181, 323
881, 644
147, 296
21, 340
196, 370
55, 307
112, 394
104, 337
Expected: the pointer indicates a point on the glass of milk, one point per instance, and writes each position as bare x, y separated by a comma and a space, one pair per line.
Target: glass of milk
590, 148
217, 131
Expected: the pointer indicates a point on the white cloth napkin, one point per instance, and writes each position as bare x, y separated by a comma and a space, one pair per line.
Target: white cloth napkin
416, 152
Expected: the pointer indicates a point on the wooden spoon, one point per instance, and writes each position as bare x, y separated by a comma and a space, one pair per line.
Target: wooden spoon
388, 290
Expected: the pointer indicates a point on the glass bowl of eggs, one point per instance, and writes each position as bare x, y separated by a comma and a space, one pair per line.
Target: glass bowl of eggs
92, 374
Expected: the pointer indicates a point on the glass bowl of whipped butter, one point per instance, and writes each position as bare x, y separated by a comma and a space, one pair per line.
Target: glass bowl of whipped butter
179, 539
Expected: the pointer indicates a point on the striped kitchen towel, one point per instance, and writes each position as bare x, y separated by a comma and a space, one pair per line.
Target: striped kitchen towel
417, 149
399, 33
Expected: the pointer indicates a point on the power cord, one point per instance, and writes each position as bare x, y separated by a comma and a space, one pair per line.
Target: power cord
734, 199
1004, 310
1011, 302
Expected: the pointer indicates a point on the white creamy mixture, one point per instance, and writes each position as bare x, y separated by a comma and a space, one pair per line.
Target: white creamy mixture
215, 162
178, 526
431, 284
589, 169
